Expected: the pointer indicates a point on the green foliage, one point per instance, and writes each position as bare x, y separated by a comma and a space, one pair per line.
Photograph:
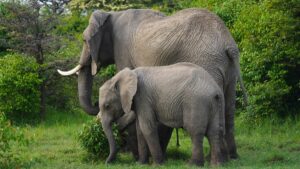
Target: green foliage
92, 138
19, 87
72, 24
28, 27
269, 44
228, 10
107, 5
61, 91
8, 136
108, 72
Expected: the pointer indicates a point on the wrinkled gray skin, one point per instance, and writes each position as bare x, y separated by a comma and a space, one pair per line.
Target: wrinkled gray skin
179, 95
142, 37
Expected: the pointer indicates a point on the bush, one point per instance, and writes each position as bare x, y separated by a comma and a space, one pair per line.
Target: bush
92, 138
267, 36
19, 87
72, 24
8, 135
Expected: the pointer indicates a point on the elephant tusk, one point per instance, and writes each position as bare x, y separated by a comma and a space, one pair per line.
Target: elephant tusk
70, 72
98, 116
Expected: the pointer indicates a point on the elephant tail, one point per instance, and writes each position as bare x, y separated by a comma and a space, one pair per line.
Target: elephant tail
234, 55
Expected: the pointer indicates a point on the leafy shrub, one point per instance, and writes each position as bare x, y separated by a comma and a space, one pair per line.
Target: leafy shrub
61, 91
108, 72
92, 138
8, 135
267, 37
19, 86
72, 24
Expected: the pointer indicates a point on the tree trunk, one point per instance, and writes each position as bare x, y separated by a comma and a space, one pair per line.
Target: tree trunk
43, 101
40, 61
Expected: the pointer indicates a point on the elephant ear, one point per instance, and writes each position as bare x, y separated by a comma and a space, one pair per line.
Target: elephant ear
127, 86
93, 36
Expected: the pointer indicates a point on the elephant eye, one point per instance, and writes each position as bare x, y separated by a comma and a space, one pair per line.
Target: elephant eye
106, 106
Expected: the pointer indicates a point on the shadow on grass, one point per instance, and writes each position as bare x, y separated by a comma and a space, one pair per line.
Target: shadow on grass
176, 154
274, 159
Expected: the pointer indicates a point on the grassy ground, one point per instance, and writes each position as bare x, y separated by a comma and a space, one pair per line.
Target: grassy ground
54, 145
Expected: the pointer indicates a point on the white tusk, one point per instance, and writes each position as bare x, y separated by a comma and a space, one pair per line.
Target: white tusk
99, 116
70, 72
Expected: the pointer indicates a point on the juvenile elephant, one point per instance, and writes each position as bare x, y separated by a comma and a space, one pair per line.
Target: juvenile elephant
143, 37
179, 95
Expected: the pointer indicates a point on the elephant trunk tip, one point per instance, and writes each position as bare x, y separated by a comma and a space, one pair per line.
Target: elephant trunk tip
90, 110
111, 157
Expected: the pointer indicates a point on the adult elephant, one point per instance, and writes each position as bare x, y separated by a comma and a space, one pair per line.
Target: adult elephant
143, 37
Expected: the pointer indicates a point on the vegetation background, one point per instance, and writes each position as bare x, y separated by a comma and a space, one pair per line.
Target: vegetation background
40, 119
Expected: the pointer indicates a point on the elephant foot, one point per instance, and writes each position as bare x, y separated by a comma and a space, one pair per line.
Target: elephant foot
196, 162
215, 163
158, 161
143, 161
217, 160
109, 161
223, 159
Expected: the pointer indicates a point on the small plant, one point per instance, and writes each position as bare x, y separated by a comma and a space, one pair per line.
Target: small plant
8, 136
92, 138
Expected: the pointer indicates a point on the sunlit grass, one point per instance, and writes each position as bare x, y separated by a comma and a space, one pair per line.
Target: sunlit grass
53, 144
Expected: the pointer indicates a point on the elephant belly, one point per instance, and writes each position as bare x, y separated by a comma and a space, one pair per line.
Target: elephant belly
169, 112
171, 119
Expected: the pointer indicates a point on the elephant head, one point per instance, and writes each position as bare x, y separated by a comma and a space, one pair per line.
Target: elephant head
115, 102
96, 51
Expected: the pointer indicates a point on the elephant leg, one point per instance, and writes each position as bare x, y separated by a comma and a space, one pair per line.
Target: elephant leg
224, 149
131, 140
142, 146
230, 95
150, 132
165, 133
197, 150
215, 141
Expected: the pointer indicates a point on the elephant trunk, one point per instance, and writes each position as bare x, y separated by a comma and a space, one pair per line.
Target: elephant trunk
107, 127
85, 84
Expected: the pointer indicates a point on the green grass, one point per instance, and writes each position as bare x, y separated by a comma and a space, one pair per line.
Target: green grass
53, 144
